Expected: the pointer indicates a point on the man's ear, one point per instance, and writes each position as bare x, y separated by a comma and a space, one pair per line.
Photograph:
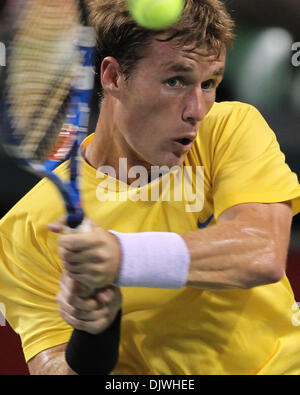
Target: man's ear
111, 76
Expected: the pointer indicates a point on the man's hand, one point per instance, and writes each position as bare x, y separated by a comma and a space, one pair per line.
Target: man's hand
89, 313
93, 258
87, 300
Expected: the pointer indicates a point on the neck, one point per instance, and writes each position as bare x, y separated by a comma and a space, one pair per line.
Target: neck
109, 148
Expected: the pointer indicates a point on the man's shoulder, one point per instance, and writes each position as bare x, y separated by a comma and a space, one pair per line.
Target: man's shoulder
228, 109
226, 124
227, 120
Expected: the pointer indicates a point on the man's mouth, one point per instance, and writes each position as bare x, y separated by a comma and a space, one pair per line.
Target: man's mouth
184, 141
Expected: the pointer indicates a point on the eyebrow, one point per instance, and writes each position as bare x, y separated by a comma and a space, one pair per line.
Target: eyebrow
181, 68
220, 71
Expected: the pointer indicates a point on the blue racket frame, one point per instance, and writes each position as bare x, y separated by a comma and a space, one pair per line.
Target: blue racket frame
78, 116
78, 112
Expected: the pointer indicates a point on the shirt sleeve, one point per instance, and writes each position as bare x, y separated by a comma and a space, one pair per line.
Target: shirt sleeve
248, 165
29, 282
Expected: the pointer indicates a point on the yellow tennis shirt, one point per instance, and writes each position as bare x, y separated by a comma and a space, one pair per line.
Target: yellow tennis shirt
186, 331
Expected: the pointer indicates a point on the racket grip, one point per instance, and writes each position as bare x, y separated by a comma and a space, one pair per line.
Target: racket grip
84, 227
88, 354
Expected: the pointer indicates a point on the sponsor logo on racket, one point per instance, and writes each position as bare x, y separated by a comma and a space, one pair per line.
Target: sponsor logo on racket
2, 314
2, 55
296, 55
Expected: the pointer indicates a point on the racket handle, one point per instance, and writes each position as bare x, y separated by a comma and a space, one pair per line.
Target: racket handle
84, 227
89, 354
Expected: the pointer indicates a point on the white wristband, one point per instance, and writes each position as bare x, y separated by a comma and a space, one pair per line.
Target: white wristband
153, 260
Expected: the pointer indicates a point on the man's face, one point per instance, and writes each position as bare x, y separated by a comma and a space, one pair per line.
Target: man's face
164, 101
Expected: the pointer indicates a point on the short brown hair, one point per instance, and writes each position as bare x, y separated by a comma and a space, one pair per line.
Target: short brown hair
203, 23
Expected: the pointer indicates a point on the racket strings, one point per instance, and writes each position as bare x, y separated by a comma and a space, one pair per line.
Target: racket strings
41, 70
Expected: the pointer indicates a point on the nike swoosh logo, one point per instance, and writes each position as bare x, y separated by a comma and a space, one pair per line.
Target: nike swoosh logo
202, 225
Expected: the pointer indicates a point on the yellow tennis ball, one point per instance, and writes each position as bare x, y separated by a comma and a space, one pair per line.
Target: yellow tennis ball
156, 14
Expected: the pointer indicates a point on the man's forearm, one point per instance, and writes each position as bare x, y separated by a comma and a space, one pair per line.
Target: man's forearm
231, 255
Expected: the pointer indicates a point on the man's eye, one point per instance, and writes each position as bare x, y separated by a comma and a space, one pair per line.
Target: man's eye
209, 84
173, 82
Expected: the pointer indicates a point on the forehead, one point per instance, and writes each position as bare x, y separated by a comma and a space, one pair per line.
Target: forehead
169, 55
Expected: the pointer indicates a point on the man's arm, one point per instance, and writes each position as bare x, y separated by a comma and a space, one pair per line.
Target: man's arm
50, 362
247, 247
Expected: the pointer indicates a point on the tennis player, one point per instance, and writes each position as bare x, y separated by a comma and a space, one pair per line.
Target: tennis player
203, 281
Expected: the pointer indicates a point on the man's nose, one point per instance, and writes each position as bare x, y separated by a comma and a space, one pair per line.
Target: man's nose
196, 106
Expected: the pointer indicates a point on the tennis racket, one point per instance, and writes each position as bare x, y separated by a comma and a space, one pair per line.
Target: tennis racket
45, 91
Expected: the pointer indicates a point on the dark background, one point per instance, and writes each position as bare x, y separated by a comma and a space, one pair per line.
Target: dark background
260, 72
